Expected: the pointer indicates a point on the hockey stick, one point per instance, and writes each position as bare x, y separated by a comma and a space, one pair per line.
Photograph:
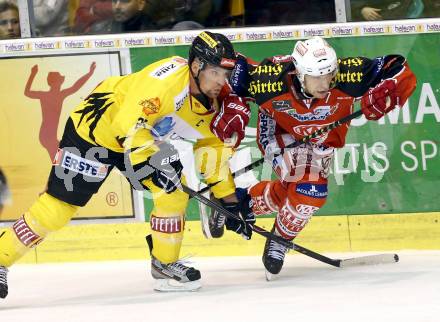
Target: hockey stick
362, 260
305, 139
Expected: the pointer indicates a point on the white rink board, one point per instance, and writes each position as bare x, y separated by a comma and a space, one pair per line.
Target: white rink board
86, 43
234, 289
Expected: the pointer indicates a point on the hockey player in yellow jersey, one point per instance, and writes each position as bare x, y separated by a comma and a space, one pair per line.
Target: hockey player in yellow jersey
126, 123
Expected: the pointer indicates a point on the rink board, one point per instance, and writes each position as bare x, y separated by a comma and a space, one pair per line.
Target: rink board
323, 234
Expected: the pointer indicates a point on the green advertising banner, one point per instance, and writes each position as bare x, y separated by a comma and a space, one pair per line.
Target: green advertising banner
391, 166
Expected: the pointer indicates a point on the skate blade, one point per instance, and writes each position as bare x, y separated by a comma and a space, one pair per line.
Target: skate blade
204, 218
170, 285
270, 276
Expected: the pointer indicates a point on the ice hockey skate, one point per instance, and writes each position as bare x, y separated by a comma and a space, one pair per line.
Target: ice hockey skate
213, 223
3, 282
173, 277
216, 224
273, 257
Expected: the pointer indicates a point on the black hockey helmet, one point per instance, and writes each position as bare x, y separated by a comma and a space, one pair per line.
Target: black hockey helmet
213, 48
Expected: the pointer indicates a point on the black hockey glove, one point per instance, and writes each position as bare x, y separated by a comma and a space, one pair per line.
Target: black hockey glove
166, 168
243, 209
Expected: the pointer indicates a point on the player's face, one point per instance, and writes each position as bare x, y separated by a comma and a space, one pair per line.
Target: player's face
124, 10
9, 24
318, 86
212, 79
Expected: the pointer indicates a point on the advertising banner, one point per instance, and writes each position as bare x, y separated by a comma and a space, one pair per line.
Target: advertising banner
390, 166
37, 96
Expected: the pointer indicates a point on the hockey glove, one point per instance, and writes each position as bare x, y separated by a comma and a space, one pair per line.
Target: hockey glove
379, 100
243, 209
232, 118
166, 168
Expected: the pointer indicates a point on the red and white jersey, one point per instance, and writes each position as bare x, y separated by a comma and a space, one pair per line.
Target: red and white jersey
284, 109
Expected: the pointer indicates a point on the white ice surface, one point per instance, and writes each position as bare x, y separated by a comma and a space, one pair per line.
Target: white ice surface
234, 289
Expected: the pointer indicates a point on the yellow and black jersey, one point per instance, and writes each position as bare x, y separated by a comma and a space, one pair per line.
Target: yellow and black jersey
123, 113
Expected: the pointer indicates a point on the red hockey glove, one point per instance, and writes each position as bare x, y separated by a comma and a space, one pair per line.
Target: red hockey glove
232, 118
379, 100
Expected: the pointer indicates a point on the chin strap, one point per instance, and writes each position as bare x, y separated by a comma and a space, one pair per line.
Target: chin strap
305, 94
201, 97
299, 89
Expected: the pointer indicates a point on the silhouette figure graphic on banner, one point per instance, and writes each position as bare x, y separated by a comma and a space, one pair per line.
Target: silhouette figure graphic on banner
52, 103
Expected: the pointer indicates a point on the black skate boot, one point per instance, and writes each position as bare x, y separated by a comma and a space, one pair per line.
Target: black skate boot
217, 220
172, 277
217, 224
273, 257
3, 282
213, 223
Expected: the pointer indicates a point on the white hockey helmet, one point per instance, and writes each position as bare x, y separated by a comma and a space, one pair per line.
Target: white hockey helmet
314, 57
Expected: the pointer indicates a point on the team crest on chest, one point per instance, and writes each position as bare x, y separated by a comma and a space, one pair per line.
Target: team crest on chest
305, 130
281, 106
150, 105
318, 114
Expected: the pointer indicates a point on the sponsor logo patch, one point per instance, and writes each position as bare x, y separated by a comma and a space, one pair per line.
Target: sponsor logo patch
289, 222
281, 106
25, 234
306, 130
257, 87
78, 164
301, 49
306, 210
165, 70
319, 52
208, 40
180, 98
267, 70
312, 190
266, 128
318, 114
167, 225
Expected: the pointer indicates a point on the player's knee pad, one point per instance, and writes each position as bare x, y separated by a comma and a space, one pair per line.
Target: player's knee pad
267, 197
303, 200
46, 214
49, 214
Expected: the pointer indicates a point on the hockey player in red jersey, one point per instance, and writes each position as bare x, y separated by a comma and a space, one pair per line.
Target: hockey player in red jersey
299, 94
